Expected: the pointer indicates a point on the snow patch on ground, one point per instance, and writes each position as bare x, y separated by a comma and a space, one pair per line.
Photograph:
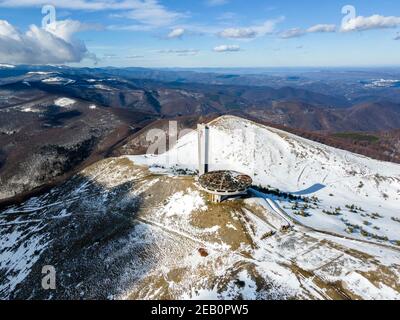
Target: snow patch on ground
41, 73
64, 102
30, 109
57, 80
102, 87
20, 249
184, 204
363, 288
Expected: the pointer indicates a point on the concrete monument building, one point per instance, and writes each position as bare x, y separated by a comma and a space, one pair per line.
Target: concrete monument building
220, 184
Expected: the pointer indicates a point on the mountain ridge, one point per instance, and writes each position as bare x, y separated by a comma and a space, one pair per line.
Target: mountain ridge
160, 237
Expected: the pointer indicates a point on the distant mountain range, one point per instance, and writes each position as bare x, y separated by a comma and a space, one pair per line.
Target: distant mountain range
306, 103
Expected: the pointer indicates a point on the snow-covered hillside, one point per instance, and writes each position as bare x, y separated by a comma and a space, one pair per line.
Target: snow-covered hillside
118, 231
341, 192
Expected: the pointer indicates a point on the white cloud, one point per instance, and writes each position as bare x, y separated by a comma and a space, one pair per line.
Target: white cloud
376, 21
227, 48
176, 33
55, 45
146, 12
8, 31
235, 33
267, 27
151, 12
95, 5
322, 28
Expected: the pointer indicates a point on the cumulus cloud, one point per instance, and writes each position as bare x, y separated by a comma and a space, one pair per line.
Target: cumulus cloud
376, 21
176, 33
267, 27
55, 44
227, 48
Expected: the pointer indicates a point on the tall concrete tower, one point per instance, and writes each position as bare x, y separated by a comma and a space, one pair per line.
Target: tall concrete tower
203, 147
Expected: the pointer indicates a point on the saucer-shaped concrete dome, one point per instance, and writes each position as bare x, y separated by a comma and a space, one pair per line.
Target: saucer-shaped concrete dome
225, 182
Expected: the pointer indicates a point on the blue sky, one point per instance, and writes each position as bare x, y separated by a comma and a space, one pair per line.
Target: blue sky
203, 33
